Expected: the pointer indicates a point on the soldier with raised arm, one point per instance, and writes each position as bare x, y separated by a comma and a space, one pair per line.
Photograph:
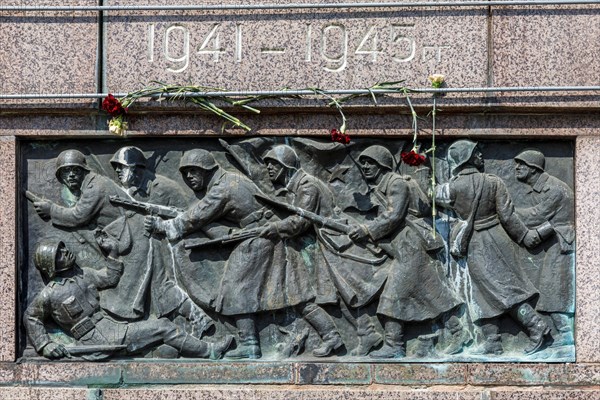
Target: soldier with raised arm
70, 300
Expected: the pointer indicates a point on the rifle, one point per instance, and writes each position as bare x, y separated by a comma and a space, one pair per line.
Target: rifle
141, 207
324, 222
236, 236
82, 350
32, 197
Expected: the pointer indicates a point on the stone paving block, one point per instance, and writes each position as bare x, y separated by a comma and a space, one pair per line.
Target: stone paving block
67, 374
205, 372
420, 374
342, 373
550, 394
514, 374
587, 215
29, 393
288, 393
254, 50
48, 52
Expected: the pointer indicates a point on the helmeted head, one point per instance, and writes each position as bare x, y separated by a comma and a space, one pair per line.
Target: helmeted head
461, 152
281, 161
532, 158
71, 168
528, 165
129, 163
130, 156
52, 257
375, 161
196, 166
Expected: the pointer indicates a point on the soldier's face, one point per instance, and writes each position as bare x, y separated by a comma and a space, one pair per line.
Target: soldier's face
64, 259
477, 159
276, 170
370, 168
72, 176
126, 174
522, 171
195, 178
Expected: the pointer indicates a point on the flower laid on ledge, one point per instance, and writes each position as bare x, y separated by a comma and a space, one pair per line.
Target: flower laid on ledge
437, 80
412, 158
113, 106
339, 136
117, 125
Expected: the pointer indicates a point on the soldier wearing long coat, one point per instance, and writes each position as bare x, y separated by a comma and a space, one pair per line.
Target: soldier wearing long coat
229, 200
415, 288
550, 211
486, 235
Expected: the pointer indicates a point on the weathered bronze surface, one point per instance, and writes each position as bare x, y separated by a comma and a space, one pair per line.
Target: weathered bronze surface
296, 248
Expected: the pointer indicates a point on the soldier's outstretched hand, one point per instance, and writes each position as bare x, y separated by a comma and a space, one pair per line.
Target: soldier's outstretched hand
270, 231
54, 351
359, 233
43, 208
531, 239
154, 225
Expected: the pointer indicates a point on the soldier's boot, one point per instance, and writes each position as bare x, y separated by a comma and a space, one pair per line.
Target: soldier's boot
564, 332
368, 337
425, 345
491, 345
248, 345
199, 320
325, 327
393, 345
189, 346
459, 336
537, 328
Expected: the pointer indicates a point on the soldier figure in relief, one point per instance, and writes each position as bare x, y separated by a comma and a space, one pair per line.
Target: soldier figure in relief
229, 198
551, 213
487, 218
70, 299
415, 288
153, 258
304, 278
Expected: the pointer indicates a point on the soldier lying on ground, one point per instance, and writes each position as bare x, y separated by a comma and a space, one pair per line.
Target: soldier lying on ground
70, 299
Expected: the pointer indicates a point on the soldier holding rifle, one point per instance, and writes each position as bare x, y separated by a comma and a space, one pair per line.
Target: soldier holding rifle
228, 198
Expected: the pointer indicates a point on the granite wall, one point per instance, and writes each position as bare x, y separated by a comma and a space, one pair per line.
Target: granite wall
89, 51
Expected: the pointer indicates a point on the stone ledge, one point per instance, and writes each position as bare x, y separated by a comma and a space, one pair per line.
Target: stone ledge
77, 374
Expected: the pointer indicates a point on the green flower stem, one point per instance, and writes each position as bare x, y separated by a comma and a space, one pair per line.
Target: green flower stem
415, 126
433, 209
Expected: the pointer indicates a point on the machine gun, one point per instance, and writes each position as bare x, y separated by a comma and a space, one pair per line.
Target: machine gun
143, 208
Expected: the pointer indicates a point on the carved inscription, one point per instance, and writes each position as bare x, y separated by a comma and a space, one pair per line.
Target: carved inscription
331, 44
286, 248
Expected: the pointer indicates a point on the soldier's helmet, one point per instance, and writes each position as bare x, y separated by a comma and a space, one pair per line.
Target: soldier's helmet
380, 155
284, 155
44, 257
460, 152
130, 156
70, 158
532, 158
198, 158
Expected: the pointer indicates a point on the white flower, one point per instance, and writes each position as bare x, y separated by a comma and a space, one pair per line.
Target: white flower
436, 80
117, 126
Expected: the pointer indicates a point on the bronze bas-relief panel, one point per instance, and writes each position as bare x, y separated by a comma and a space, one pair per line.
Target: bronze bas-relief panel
296, 249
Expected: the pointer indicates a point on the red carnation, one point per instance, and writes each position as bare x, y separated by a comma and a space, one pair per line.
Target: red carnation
412, 158
113, 106
339, 137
